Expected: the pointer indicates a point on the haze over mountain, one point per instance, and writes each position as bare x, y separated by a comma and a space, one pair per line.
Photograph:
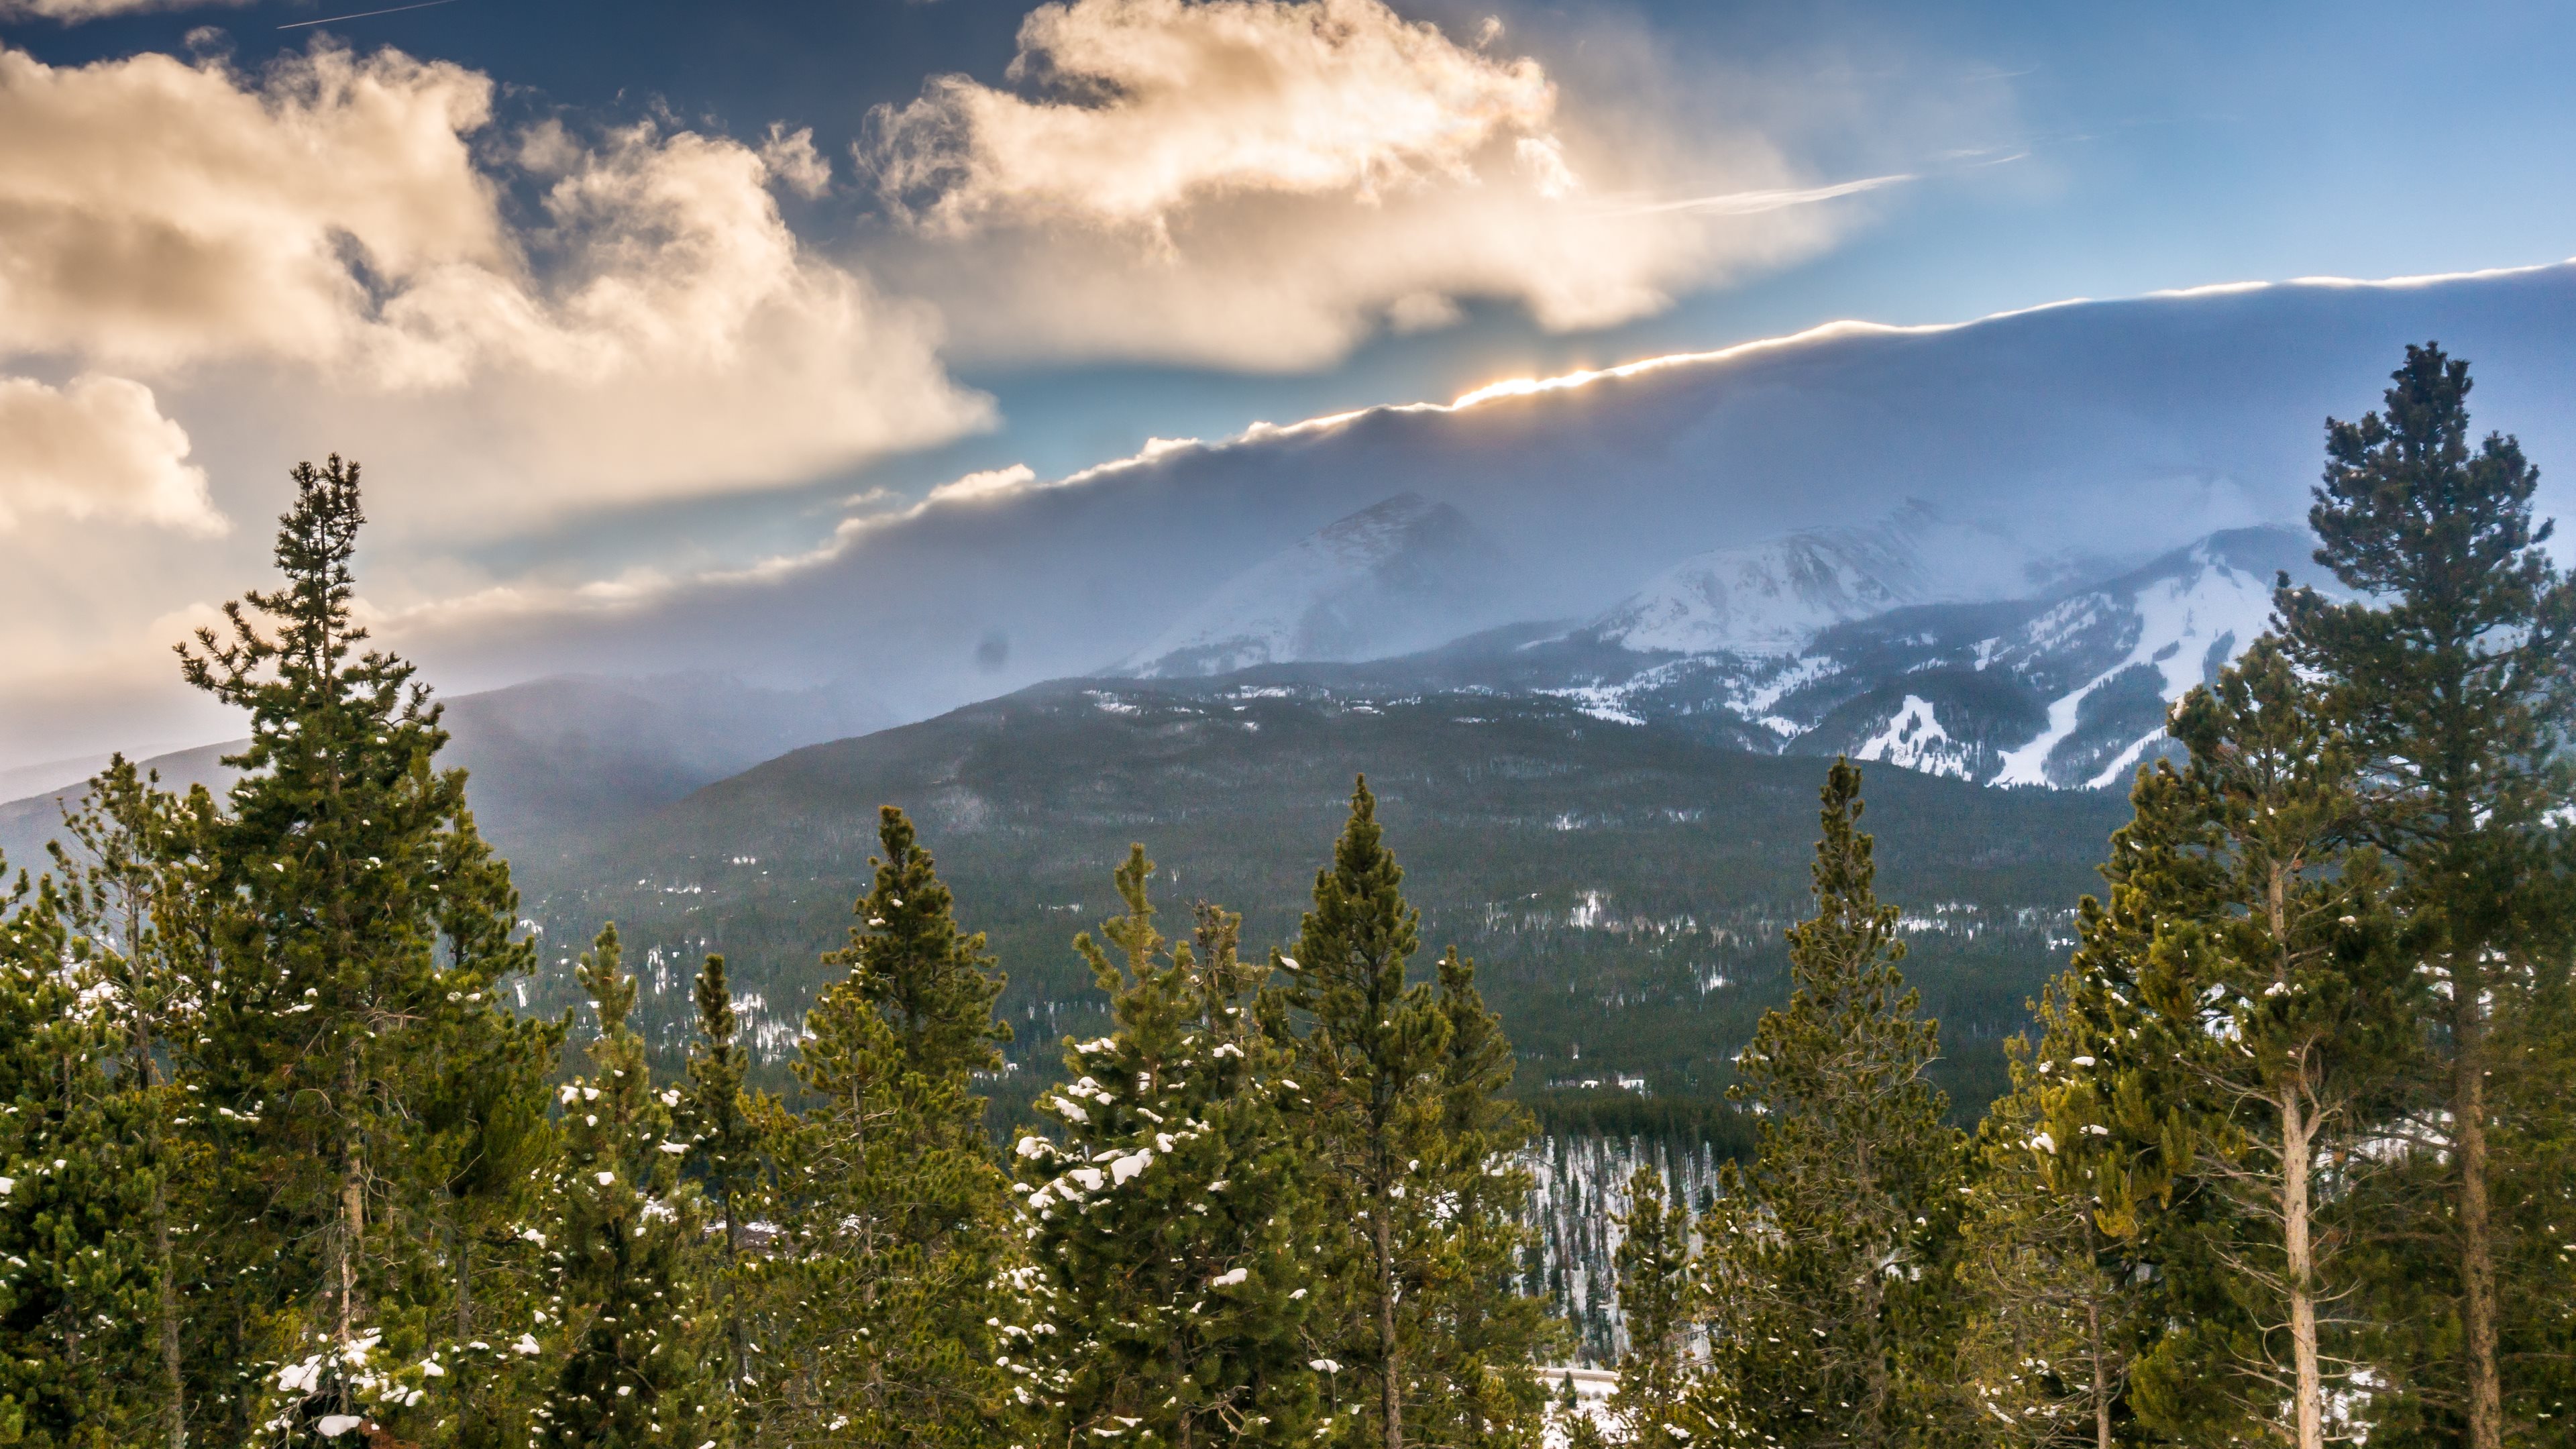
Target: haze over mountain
2104, 432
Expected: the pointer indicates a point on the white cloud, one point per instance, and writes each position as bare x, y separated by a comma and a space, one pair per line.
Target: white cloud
72, 12
1264, 183
657, 332
98, 448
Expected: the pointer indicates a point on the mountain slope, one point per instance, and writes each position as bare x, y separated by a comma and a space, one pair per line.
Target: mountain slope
553, 760
1771, 598
1622, 887
1395, 577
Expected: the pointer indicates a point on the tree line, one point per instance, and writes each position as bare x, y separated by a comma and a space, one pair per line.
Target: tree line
2290, 1159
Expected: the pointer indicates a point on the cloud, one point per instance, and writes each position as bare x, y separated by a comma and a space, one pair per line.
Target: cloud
98, 448
652, 329
72, 12
1265, 183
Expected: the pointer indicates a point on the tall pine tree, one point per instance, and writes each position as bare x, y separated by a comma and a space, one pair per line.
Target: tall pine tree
362, 933
1826, 1258
1370, 1067
2453, 671
626, 1356
1165, 1295
893, 1216
2273, 993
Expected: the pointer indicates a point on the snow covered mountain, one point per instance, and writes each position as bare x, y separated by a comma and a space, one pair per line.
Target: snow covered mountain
2065, 686
1398, 576
1770, 598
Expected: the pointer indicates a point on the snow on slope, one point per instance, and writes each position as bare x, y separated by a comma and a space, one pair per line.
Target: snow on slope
1915, 740
1768, 599
2185, 618
1400, 575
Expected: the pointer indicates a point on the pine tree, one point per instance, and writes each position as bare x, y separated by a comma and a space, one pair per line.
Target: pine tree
136, 905
2454, 674
623, 1306
894, 1218
1657, 1300
1478, 1336
78, 1291
1165, 1295
2273, 990
728, 1134
362, 932
1370, 1061
932, 985
1825, 1260
2058, 1312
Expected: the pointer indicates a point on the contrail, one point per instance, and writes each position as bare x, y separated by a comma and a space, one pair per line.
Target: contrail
363, 14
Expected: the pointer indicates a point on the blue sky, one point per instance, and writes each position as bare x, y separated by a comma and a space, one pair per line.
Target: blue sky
2013, 155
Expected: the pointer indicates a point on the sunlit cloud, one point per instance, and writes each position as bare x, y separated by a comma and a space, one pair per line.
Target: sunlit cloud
328, 232
1264, 184
97, 448
72, 12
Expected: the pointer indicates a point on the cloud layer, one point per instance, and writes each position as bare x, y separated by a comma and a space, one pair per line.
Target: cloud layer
98, 448
1265, 183
652, 329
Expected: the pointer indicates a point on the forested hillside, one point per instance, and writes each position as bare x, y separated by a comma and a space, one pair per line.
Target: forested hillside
311, 1135
1623, 888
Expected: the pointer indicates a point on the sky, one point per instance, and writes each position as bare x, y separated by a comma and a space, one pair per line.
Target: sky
609, 297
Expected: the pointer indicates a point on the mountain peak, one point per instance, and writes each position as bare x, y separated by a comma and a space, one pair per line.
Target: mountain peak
1770, 598
1402, 574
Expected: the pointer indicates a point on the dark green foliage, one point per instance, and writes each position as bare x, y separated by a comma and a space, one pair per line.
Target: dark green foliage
360, 932
880, 1303
729, 1134
1419, 1202
1164, 1294
1478, 1333
78, 1292
623, 1308
932, 985
1826, 1257
2454, 675
1659, 1302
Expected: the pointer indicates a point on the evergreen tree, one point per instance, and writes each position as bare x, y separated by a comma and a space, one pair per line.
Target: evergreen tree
623, 1306
932, 985
1825, 1260
1370, 1061
728, 1129
1478, 1335
78, 1290
1658, 1301
135, 903
1165, 1296
2058, 1311
894, 1217
361, 931
2282, 1012
2453, 672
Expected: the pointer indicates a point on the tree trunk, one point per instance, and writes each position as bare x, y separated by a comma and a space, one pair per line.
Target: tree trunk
2477, 1252
2297, 1130
2101, 1374
174, 1381
353, 1223
1390, 1358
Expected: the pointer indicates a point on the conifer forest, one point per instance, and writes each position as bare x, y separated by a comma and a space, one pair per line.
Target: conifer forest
2286, 1154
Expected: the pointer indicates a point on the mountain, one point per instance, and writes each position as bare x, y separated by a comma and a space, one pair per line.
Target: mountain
1393, 578
1623, 887
2105, 429
1782, 648
1772, 597
553, 761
